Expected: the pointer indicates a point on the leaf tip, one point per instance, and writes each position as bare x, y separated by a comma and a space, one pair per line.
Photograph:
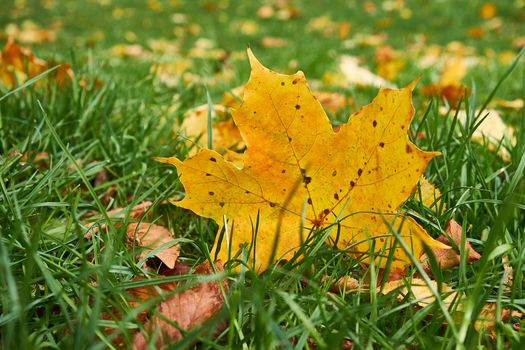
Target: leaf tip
412, 85
167, 160
254, 62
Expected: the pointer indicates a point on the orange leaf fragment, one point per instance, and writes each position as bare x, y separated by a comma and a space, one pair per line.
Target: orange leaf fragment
447, 258
296, 166
187, 309
154, 237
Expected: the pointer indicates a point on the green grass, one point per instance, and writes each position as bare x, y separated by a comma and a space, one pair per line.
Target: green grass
47, 268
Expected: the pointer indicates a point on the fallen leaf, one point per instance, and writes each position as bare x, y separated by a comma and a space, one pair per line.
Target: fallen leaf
187, 310
447, 258
476, 32
153, 237
295, 163
18, 64
487, 10
357, 75
265, 12
389, 62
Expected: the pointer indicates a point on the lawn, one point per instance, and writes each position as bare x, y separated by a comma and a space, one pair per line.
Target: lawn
114, 82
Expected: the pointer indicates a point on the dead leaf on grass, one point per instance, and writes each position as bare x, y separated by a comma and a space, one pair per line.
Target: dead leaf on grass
447, 258
152, 237
186, 310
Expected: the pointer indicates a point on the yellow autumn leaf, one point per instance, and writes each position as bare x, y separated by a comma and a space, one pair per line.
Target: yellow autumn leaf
300, 175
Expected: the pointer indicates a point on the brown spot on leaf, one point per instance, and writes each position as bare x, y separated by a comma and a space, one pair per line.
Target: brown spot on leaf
211, 193
381, 144
334, 173
297, 106
374, 123
336, 196
359, 172
213, 159
221, 204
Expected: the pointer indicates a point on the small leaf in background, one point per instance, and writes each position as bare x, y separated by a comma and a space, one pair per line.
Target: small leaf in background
487, 10
449, 86
184, 310
295, 163
389, 62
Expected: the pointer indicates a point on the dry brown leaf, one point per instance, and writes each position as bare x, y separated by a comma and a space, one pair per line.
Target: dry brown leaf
447, 258
152, 237
135, 212
18, 64
187, 310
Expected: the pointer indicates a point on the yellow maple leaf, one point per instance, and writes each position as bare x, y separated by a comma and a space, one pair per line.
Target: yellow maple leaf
300, 175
